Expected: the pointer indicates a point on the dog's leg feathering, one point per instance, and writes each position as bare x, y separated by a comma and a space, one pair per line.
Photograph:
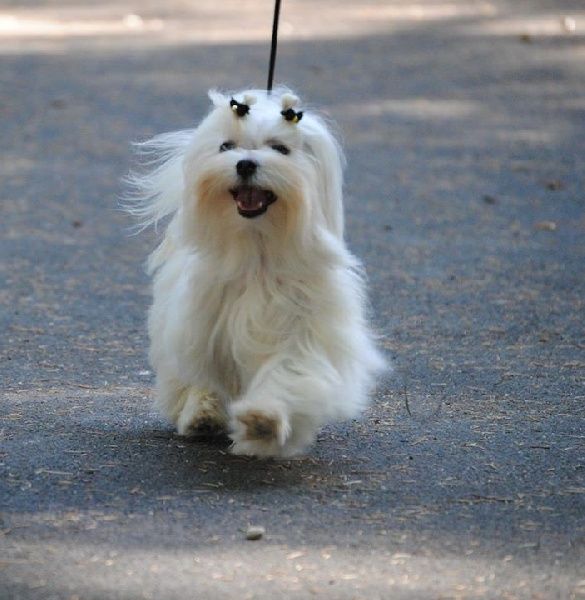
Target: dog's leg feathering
284, 406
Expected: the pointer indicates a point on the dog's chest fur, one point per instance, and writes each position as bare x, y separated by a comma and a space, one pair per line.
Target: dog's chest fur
253, 317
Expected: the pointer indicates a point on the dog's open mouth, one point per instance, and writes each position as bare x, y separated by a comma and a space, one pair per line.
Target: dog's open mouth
252, 201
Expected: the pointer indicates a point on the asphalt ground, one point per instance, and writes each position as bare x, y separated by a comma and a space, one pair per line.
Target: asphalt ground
464, 127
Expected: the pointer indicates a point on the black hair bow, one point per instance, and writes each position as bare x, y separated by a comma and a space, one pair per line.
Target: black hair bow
292, 115
240, 109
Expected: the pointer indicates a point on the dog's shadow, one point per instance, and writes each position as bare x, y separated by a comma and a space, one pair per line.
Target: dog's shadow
205, 463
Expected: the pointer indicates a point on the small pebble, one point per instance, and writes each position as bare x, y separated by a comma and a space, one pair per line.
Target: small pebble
254, 532
546, 226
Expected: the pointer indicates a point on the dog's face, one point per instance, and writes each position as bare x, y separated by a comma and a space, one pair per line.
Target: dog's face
258, 171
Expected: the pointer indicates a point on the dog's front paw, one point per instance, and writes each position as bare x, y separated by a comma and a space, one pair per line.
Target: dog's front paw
259, 433
202, 414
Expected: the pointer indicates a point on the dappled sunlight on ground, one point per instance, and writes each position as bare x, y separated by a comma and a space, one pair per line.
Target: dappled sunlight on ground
210, 23
417, 108
232, 568
547, 24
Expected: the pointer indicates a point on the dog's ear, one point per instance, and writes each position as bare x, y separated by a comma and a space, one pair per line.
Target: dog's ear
329, 160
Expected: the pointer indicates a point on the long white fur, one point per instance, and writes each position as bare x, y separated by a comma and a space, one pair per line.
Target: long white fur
262, 316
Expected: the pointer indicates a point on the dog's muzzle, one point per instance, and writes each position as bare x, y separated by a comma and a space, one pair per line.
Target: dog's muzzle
252, 201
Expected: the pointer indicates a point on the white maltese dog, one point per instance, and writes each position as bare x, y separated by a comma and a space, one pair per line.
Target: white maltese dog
257, 325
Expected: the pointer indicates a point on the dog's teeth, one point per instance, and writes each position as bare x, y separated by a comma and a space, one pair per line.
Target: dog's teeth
252, 201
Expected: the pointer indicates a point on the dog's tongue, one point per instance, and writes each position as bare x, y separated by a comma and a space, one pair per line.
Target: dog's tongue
249, 198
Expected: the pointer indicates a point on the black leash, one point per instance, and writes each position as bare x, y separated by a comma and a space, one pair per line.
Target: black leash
273, 45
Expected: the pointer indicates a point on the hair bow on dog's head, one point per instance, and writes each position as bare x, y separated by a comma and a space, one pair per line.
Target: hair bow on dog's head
289, 102
239, 108
242, 108
291, 115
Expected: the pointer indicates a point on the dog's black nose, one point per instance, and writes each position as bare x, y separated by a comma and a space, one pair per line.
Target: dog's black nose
246, 168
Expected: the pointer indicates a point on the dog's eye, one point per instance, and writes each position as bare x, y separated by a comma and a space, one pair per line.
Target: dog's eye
281, 148
229, 145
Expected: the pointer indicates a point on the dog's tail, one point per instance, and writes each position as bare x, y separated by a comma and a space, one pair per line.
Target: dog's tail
156, 189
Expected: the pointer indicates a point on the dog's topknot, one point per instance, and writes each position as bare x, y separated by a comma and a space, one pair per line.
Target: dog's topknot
289, 102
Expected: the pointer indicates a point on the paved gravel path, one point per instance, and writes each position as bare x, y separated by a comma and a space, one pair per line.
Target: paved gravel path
464, 124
